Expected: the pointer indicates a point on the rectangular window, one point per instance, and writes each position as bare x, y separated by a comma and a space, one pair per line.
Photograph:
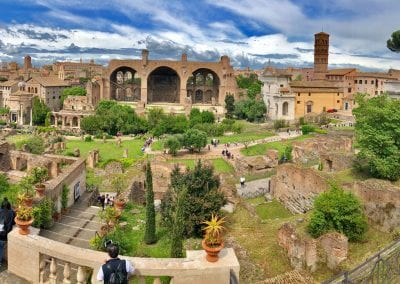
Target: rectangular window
359, 81
298, 102
298, 94
338, 101
54, 97
372, 82
349, 90
366, 82
309, 94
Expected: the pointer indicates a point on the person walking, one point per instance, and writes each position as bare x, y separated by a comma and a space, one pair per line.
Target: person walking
242, 181
115, 270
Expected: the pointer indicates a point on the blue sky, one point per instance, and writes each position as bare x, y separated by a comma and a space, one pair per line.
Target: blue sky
251, 32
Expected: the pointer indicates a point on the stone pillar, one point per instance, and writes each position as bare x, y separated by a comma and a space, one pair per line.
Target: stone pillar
143, 89
30, 120
79, 122
55, 121
125, 155
54, 170
183, 91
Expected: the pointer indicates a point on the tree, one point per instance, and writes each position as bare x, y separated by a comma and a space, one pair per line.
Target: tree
203, 198
378, 136
155, 116
251, 84
194, 139
150, 231
173, 145
72, 91
340, 211
178, 227
394, 42
207, 117
4, 185
250, 109
195, 116
229, 105
47, 121
39, 111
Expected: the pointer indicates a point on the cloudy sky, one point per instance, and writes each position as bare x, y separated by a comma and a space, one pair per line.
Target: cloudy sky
251, 32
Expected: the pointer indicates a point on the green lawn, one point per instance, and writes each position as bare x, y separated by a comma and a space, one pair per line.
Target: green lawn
108, 150
261, 149
18, 139
220, 165
269, 210
242, 137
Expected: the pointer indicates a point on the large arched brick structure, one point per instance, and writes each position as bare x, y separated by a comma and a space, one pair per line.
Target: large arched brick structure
183, 68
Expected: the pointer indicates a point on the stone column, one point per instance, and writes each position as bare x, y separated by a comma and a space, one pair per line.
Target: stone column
30, 120
143, 89
55, 121
183, 91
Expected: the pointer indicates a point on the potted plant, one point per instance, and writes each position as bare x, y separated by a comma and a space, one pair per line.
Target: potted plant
24, 218
27, 191
213, 242
119, 185
39, 176
110, 217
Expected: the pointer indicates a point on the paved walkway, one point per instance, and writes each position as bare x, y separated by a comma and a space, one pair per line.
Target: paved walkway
253, 188
76, 227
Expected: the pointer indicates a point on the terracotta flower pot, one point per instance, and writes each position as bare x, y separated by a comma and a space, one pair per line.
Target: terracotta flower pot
28, 201
40, 188
23, 225
120, 204
212, 252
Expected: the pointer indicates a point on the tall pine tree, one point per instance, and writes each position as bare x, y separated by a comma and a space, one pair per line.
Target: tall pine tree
178, 227
150, 232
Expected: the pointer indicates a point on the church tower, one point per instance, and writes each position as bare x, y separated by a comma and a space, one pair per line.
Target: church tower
27, 62
321, 53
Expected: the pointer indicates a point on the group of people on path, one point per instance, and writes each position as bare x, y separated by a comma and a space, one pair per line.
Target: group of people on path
147, 143
105, 200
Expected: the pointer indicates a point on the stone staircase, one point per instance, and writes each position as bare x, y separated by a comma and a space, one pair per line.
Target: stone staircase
77, 226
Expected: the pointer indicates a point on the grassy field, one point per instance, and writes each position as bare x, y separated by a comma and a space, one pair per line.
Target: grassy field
242, 137
18, 139
220, 165
261, 149
108, 150
269, 210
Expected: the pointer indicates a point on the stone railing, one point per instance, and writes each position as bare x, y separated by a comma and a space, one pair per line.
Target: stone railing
41, 260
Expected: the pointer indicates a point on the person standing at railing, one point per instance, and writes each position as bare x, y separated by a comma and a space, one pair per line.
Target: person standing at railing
115, 270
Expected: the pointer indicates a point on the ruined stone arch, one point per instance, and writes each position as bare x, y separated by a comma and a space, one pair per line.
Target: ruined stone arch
208, 82
163, 85
123, 80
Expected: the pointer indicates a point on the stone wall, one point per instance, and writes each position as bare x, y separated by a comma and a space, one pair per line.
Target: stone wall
312, 148
296, 187
336, 161
303, 250
381, 200
257, 163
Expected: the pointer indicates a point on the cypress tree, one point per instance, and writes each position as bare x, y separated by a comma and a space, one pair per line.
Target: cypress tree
150, 232
178, 227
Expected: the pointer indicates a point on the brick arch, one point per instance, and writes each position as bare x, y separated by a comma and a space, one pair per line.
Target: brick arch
163, 85
209, 90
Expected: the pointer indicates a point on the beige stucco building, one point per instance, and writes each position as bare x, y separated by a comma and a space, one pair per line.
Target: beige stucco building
48, 89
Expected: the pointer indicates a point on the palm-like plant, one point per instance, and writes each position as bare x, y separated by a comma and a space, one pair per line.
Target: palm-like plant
213, 230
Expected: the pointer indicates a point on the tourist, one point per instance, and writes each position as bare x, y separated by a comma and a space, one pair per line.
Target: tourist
107, 200
242, 181
7, 216
115, 267
223, 152
102, 201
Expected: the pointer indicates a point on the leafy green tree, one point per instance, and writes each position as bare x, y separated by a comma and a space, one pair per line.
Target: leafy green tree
251, 84
155, 117
250, 109
378, 136
207, 117
394, 42
173, 145
47, 121
229, 105
39, 111
338, 210
195, 116
150, 231
4, 185
72, 91
178, 228
203, 198
194, 139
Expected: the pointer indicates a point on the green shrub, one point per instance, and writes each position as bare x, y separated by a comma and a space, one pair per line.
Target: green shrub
301, 120
320, 131
88, 138
126, 162
43, 213
173, 145
45, 129
3, 122
64, 196
35, 144
340, 211
280, 123
211, 129
4, 185
306, 129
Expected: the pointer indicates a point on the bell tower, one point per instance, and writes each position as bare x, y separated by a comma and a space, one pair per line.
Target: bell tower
321, 54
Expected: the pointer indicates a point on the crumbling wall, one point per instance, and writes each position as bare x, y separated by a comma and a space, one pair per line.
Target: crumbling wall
257, 163
333, 161
335, 247
296, 187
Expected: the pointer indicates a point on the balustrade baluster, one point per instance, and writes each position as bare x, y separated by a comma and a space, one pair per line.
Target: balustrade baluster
42, 267
81, 275
53, 271
67, 273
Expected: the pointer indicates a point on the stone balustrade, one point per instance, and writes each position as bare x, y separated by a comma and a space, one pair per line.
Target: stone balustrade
41, 260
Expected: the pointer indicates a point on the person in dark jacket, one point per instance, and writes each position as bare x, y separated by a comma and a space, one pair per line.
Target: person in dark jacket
7, 216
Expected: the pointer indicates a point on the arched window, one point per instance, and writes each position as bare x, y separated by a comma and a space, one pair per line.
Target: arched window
309, 106
285, 108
